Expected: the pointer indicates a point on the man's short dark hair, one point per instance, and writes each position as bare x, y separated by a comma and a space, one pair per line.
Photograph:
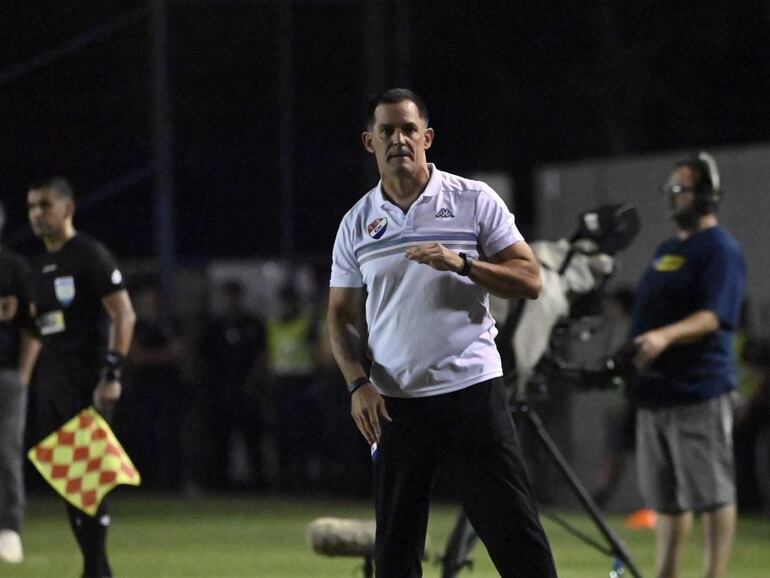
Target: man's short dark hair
59, 184
394, 96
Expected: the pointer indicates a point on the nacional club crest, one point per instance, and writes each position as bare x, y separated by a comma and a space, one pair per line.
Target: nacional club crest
65, 289
377, 227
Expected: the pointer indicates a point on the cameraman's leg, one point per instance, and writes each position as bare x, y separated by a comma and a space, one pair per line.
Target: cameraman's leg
404, 464
671, 533
718, 534
494, 487
656, 455
709, 465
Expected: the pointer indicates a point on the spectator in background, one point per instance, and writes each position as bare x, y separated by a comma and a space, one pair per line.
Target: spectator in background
292, 339
232, 351
17, 357
154, 394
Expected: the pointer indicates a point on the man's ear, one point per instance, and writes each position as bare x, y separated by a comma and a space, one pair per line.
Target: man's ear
429, 134
70, 204
366, 138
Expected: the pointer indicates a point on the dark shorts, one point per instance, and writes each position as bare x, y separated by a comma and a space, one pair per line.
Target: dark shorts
685, 456
62, 390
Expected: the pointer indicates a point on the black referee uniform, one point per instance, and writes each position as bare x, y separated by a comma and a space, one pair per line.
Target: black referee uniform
67, 291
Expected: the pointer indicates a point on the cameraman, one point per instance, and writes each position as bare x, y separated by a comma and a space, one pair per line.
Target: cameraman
686, 308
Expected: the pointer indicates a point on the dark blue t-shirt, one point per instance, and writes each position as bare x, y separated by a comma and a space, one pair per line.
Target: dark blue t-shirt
705, 271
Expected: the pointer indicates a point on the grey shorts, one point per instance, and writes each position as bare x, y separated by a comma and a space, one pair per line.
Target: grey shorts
685, 456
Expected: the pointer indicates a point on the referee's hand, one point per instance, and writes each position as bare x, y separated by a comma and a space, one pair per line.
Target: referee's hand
106, 395
366, 407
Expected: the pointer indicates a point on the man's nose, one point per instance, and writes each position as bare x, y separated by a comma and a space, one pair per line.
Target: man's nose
398, 136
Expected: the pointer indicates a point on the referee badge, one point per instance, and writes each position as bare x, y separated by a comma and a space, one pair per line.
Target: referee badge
377, 227
65, 289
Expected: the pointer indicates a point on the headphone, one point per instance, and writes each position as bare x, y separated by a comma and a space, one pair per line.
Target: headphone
708, 193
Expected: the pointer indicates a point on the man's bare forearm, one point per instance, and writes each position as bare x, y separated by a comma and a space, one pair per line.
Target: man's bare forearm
122, 321
513, 279
692, 328
347, 348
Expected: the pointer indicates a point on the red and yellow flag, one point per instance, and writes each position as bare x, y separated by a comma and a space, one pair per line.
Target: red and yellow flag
83, 461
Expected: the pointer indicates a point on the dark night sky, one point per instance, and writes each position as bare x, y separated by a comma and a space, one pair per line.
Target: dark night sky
510, 85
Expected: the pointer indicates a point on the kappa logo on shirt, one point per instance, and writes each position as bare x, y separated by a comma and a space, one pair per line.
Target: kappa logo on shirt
445, 214
377, 227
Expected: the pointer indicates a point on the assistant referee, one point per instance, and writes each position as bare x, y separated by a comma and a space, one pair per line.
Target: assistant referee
85, 323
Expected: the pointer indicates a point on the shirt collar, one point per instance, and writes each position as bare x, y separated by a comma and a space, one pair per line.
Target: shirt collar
431, 189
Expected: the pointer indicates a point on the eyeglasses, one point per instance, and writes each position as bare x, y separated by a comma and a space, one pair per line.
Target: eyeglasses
677, 189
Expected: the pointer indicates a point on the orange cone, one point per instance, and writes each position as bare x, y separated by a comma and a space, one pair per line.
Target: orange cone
642, 520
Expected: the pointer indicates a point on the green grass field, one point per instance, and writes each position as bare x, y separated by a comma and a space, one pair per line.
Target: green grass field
242, 537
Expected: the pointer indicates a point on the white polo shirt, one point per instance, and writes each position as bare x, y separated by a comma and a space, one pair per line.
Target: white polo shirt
430, 332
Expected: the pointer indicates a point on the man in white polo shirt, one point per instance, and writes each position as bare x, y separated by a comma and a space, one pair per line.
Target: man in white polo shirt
424, 249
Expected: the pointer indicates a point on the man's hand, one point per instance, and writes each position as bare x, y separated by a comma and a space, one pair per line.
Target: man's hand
8, 306
107, 394
649, 346
366, 407
437, 256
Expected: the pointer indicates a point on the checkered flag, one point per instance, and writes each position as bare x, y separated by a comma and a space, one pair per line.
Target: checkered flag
83, 461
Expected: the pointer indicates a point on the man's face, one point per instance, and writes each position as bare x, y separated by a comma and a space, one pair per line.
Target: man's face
49, 211
680, 190
398, 138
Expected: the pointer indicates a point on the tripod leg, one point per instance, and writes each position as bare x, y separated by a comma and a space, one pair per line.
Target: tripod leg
460, 544
618, 548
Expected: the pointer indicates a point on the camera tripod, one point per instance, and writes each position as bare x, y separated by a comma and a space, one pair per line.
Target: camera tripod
464, 537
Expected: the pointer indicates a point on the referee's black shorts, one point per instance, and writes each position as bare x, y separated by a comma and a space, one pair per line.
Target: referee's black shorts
63, 387
474, 430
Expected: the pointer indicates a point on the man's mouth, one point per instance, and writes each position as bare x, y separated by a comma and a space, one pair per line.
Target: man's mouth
402, 154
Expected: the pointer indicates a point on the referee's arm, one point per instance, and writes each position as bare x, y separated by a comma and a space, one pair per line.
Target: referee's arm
122, 320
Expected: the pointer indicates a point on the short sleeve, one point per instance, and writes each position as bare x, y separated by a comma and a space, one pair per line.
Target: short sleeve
496, 224
103, 273
345, 270
724, 283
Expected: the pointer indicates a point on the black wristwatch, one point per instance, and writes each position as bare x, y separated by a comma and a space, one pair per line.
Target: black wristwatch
356, 383
467, 263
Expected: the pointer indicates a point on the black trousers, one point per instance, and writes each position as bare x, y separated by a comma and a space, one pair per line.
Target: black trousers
474, 430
